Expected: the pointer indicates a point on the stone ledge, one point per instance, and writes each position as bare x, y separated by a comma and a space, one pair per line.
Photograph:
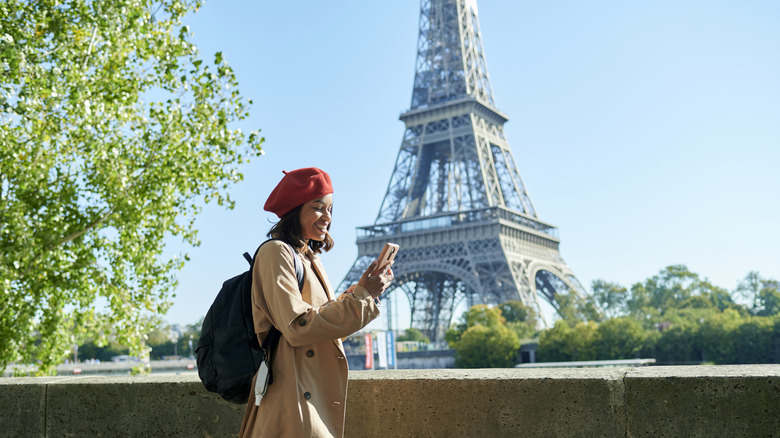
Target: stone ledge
721, 401
494, 403
649, 401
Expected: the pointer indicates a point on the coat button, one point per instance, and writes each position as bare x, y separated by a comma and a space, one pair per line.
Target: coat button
307, 395
302, 322
310, 353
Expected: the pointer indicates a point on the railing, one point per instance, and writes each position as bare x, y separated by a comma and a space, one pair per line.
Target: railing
618, 363
180, 366
446, 220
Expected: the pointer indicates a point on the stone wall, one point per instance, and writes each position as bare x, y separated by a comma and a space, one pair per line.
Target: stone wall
697, 401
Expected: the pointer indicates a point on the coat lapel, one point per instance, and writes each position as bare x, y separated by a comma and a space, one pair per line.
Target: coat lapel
320, 271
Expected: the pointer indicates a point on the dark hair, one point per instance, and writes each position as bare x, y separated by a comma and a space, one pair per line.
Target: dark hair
288, 229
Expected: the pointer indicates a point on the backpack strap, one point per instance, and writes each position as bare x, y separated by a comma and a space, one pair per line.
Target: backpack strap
272, 339
298, 268
296, 262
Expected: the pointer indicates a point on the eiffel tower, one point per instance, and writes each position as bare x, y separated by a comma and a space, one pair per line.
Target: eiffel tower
455, 202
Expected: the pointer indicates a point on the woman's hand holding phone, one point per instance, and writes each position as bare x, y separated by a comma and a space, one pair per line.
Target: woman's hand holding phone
386, 257
379, 274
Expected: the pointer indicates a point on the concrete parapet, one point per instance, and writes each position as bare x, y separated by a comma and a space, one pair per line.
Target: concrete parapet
635, 402
486, 403
725, 401
127, 406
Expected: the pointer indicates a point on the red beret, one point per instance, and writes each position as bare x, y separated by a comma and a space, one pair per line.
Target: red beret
298, 187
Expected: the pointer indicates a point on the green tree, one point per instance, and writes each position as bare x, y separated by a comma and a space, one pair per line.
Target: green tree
483, 346
564, 342
103, 352
479, 314
674, 288
414, 335
519, 318
484, 315
581, 342
763, 295
553, 343
609, 298
620, 338
164, 342
770, 298
113, 131
516, 311
679, 343
523, 330
483, 339
718, 337
662, 292
755, 340
159, 334
574, 308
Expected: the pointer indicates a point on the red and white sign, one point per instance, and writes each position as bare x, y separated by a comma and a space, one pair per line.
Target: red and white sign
369, 352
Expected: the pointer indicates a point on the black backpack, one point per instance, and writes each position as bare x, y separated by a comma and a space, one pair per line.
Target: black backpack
228, 354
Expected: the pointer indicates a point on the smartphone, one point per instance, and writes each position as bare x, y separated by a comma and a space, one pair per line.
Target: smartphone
387, 255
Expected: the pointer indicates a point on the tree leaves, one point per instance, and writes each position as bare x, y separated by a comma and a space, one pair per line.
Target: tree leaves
112, 132
487, 339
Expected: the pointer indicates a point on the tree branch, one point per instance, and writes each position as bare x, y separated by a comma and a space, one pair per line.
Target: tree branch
153, 14
91, 44
68, 238
92, 225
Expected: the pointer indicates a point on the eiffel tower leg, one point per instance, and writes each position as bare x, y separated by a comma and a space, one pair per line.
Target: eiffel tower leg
432, 297
429, 293
410, 290
553, 279
459, 294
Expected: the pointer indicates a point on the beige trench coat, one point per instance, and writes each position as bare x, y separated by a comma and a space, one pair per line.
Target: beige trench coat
309, 391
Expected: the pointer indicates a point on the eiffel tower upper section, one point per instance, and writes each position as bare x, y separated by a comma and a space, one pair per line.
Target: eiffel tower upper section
450, 67
452, 77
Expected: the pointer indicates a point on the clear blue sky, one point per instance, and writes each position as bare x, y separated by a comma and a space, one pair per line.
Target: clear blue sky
647, 132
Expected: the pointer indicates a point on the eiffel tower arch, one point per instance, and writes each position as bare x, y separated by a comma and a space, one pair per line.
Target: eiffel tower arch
456, 203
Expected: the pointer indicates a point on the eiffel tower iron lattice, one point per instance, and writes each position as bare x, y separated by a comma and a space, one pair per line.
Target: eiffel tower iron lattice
455, 202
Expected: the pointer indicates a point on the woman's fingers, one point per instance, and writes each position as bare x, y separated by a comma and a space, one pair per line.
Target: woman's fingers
369, 271
377, 280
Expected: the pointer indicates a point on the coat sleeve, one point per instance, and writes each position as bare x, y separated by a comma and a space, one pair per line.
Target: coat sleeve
274, 283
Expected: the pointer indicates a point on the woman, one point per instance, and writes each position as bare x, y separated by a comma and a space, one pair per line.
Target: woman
309, 390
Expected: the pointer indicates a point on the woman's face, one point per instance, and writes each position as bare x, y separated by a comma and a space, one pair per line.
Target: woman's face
315, 218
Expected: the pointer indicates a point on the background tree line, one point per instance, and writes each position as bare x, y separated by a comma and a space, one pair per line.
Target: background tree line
676, 317
164, 340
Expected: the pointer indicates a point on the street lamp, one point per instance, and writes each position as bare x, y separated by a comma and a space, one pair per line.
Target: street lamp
174, 337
